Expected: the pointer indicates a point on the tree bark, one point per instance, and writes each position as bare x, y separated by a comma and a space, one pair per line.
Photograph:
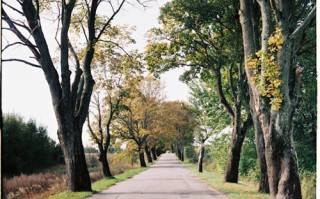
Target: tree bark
260, 148
105, 164
141, 158
276, 125
153, 152
200, 161
233, 161
148, 153
78, 175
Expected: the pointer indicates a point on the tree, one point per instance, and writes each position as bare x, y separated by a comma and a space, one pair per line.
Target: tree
70, 99
209, 115
113, 76
135, 121
176, 123
274, 84
207, 44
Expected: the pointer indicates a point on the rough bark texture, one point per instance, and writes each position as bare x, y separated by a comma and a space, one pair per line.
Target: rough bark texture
232, 169
276, 125
75, 163
200, 161
260, 148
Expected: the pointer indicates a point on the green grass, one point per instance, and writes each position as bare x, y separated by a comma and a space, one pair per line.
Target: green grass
241, 190
99, 185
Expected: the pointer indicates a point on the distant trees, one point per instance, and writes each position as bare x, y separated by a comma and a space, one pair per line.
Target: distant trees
26, 147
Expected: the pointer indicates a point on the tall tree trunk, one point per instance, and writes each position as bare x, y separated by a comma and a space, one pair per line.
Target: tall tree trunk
148, 153
237, 139
260, 148
141, 158
200, 161
78, 175
276, 124
105, 164
153, 152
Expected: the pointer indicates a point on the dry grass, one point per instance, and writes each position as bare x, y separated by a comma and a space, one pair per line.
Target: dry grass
31, 186
44, 184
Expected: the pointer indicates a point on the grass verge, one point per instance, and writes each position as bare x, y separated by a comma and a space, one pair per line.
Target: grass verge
98, 185
241, 190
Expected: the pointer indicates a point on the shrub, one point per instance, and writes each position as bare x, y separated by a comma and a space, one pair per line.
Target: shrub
308, 185
191, 154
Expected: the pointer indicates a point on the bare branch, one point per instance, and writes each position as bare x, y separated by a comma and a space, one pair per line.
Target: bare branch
18, 11
14, 29
15, 43
110, 19
304, 24
23, 61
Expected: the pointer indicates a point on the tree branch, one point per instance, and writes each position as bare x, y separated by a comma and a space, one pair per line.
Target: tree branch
304, 24
110, 19
23, 61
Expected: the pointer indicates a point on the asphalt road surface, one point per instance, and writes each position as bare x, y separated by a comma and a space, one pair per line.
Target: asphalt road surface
167, 179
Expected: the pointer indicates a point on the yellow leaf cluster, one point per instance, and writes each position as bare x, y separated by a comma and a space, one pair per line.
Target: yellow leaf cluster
270, 87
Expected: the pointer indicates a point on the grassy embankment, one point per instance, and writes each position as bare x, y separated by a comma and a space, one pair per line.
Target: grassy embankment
242, 190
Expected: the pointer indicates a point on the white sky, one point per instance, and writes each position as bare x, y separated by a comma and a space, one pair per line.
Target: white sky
25, 90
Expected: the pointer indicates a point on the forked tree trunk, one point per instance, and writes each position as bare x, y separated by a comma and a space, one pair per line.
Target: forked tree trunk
153, 152
148, 153
200, 161
78, 175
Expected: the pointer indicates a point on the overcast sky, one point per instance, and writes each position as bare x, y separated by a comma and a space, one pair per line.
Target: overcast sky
25, 90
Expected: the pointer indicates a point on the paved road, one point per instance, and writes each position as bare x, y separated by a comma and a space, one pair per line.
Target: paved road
167, 179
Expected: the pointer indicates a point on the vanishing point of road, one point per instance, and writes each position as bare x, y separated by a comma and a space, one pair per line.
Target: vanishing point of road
167, 179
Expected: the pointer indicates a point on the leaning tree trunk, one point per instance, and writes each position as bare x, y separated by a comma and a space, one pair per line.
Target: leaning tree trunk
148, 153
200, 161
78, 175
154, 153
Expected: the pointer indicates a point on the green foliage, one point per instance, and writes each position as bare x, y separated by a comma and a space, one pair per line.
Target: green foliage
218, 152
305, 118
249, 163
191, 154
26, 146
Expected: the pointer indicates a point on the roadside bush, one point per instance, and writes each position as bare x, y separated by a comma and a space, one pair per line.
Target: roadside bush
191, 154
218, 152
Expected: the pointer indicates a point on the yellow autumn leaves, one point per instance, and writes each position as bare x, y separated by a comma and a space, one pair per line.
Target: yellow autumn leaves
266, 71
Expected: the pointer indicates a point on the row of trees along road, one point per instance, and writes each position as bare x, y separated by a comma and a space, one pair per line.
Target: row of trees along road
249, 52
80, 29
243, 61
